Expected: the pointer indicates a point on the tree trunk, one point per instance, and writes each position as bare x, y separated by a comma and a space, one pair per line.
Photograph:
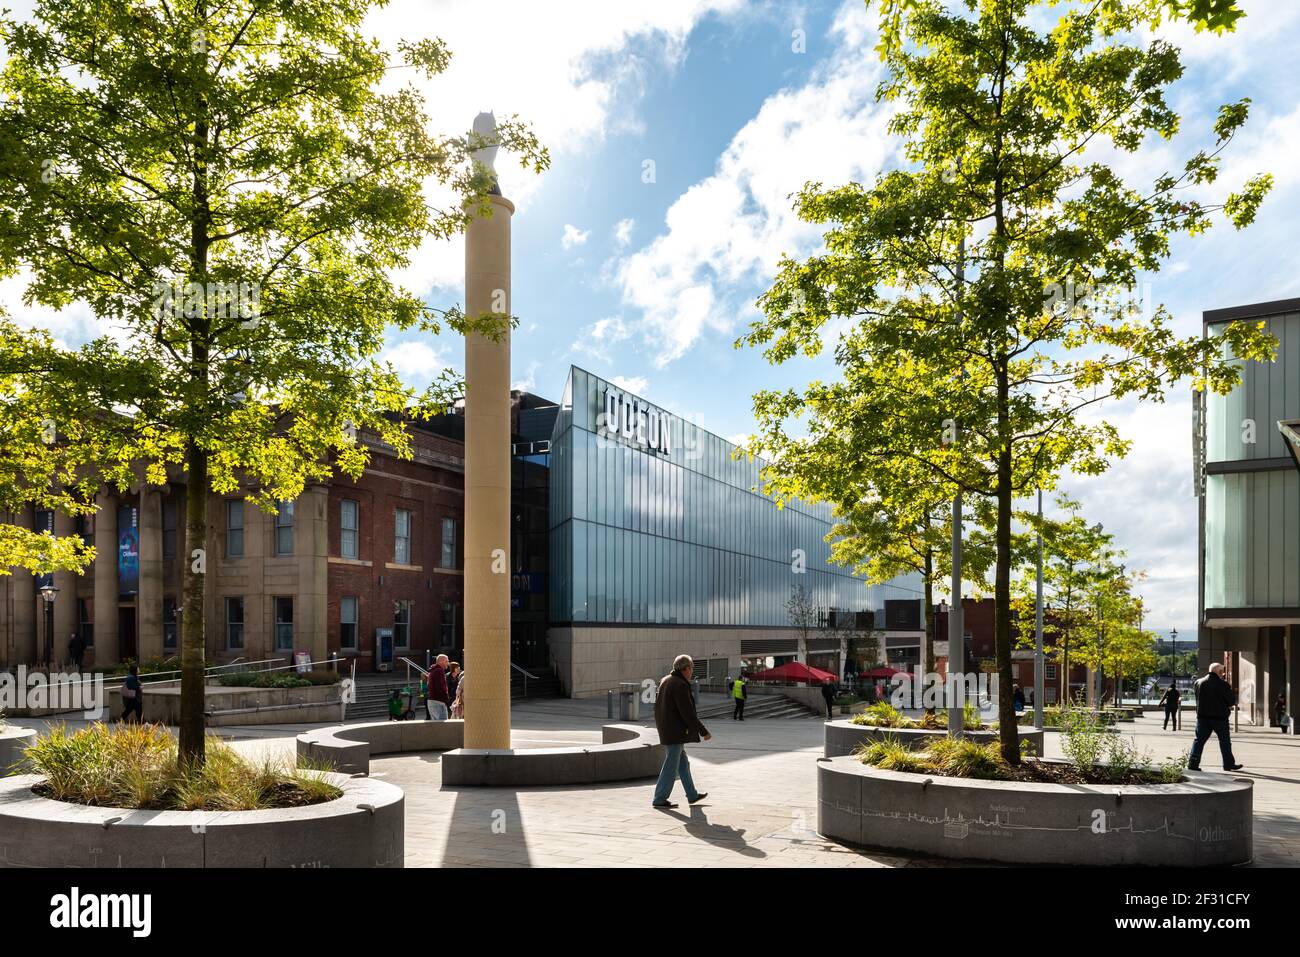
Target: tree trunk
192, 590
193, 583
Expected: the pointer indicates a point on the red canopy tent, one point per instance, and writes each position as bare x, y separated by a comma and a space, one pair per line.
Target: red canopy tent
794, 671
883, 672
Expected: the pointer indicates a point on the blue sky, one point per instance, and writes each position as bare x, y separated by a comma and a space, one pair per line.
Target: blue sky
734, 118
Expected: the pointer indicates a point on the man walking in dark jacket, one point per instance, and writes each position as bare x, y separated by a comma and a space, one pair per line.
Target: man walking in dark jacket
678, 724
1215, 700
828, 695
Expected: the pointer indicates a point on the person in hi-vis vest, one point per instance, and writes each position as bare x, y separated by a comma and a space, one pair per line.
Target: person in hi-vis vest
738, 693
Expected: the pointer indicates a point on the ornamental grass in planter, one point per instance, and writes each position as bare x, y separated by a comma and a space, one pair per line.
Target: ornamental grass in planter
135, 766
884, 715
1096, 754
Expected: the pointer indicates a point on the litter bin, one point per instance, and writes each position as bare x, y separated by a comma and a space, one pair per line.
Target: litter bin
611, 704
629, 701
695, 691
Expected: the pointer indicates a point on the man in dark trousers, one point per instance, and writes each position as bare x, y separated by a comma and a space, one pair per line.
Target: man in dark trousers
828, 693
678, 725
1172, 700
738, 695
1215, 699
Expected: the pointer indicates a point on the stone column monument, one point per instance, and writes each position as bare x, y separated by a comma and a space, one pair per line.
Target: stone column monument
487, 471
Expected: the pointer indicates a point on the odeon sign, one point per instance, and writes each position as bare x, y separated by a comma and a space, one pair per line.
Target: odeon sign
634, 420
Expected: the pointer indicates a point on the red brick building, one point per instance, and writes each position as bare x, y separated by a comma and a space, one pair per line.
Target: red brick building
981, 654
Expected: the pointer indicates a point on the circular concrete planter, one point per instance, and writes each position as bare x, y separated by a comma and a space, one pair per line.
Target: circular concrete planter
1203, 821
13, 742
363, 828
843, 737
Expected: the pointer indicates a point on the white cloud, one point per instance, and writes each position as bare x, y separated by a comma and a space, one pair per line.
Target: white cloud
573, 236
585, 72
726, 234
596, 339
417, 362
529, 382
623, 231
636, 384
1146, 500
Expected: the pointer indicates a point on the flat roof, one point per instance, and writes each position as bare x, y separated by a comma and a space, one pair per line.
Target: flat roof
1258, 310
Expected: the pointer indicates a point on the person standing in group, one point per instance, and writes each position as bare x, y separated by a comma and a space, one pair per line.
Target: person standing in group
132, 696
439, 703
1215, 699
1279, 712
739, 694
828, 695
453, 679
678, 725
458, 702
1171, 701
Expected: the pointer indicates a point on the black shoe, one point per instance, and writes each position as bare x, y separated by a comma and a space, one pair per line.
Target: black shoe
1193, 767
1235, 767
664, 804
703, 794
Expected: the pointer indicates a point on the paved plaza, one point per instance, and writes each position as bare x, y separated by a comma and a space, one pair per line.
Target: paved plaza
761, 807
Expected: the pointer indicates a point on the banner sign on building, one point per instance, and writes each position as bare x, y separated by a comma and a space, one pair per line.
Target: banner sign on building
634, 420
128, 551
44, 523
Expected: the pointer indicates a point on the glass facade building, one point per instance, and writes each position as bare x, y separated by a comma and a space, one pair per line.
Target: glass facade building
1248, 485
654, 522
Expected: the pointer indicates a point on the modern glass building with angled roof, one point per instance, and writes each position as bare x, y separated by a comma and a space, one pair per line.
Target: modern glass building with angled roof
660, 544
1248, 484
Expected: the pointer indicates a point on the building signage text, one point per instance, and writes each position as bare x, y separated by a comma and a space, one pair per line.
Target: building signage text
634, 420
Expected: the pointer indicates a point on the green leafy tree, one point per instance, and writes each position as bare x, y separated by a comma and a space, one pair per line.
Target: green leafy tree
1070, 549
986, 282
232, 186
51, 431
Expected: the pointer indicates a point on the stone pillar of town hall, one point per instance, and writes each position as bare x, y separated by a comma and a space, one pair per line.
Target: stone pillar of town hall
106, 585
487, 471
24, 607
65, 604
149, 599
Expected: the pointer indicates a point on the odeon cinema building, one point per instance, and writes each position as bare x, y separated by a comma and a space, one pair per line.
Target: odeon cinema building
636, 536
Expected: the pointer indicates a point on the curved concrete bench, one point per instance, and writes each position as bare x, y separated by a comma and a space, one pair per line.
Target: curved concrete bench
843, 737
363, 828
628, 752
1204, 821
13, 742
349, 747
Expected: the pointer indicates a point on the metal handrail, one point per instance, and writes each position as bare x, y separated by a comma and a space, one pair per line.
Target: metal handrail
411, 664
526, 675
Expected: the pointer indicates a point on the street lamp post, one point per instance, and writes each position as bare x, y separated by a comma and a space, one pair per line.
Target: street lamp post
1038, 625
49, 592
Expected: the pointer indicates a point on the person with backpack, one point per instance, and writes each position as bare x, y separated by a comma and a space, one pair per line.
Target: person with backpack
132, 693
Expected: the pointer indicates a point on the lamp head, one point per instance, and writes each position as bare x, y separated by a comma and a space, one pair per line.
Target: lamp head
485, 127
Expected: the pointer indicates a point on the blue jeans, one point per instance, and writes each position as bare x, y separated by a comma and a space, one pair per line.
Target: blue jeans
437, 710
1204, 728
676, 765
